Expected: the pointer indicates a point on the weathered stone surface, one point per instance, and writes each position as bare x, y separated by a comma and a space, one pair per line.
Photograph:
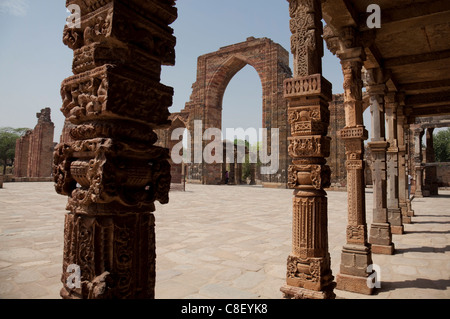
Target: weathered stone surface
214, 72
308, 93
106, 162
34, 150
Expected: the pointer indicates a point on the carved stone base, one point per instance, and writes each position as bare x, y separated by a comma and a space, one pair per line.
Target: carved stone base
355, 259
353, 284
383, 249
116, 254
312, 273
381, 239
406, 219
398, 230
291, 292
395, 216
380, 234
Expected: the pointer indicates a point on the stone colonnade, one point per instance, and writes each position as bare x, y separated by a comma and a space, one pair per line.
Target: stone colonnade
112, 171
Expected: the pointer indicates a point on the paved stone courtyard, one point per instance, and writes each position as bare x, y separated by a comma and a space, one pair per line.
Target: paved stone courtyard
221, 242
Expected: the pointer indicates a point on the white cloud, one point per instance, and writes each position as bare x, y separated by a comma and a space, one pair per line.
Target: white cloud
16, 8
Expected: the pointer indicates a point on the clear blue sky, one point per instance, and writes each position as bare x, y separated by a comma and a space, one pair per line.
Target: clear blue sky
34, 61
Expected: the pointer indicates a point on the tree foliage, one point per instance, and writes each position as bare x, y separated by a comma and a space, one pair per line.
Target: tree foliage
8, 137
441, 143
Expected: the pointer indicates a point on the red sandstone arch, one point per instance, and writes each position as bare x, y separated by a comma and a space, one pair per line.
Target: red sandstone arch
222, 77
214, 72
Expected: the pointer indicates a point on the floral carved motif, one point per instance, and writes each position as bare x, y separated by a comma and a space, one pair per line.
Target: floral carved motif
317, 176
308, 269
315, 146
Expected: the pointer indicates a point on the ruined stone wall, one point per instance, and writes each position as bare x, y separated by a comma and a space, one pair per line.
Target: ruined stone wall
41, 146
34, 150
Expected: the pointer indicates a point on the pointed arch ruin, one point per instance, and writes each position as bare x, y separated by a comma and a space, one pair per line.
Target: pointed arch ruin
214, 72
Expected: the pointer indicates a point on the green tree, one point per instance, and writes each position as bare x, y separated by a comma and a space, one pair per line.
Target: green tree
8, 137
441, 143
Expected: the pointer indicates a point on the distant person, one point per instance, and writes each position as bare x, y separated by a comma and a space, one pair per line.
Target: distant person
226, 177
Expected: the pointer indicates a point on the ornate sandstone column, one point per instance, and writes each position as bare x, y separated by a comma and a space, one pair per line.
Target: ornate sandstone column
430, 171
356, 254
110, 170
380, 233
392, 164
402, 175
308, 93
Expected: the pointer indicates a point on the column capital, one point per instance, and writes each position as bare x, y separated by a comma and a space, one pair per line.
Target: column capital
391, 100
377, 78
376, 89
345, 43
417, 131
352, 54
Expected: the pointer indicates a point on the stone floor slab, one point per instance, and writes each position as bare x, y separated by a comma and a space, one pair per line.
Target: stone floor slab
222, 242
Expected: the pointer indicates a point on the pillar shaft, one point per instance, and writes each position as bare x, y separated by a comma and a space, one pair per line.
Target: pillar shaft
356, 254
110, 168
380, 232
308, 93
430, 171
392, 164
418, 158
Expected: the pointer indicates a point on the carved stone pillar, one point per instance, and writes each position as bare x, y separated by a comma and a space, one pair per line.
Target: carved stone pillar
308, 93
409, 166
430, 171
110, 169
418, 167
356, 253
380, 232
392, 183
402, 174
